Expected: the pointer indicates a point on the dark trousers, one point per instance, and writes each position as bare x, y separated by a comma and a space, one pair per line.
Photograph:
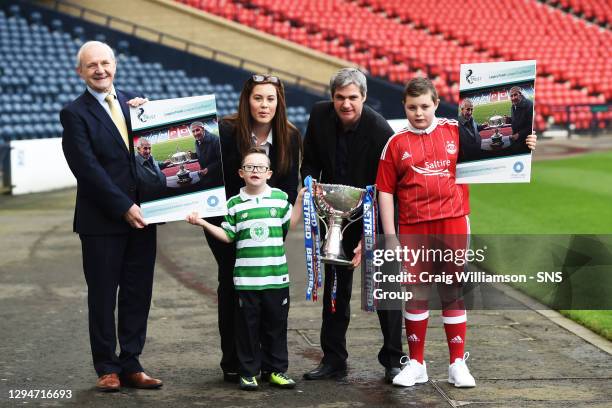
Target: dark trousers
225, 255
335, 325
124, 262
261, 325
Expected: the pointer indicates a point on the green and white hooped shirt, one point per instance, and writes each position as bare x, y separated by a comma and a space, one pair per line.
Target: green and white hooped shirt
258, 224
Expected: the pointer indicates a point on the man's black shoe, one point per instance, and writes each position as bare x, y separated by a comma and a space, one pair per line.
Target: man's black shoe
390, 373
324, 371
231, 377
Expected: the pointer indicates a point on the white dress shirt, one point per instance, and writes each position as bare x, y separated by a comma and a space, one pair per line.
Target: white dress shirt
266, 144
100, 96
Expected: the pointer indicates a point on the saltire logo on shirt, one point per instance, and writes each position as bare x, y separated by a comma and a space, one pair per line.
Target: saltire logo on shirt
431, 172
259, 232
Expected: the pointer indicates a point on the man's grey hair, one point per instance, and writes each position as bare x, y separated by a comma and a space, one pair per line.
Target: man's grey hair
141, 141
346, 77
194, 124
89, 44
465, 102
517, 89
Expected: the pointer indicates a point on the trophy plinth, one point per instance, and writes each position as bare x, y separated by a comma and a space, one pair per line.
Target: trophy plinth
336, 203
496, 140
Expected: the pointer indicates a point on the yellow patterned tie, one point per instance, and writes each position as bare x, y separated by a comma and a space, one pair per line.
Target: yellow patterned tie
117, 118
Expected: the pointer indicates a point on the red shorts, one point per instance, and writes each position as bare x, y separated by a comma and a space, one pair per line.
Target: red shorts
435, 248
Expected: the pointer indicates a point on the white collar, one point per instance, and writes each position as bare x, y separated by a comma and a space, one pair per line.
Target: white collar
101, 96
427, 131
245, 196
268, 139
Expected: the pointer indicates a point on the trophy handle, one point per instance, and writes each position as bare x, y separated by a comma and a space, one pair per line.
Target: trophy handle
351, 221
324, 223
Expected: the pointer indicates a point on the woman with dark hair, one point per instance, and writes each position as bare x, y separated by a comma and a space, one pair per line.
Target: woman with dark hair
261, 121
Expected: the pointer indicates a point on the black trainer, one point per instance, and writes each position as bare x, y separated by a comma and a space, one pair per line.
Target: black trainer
231, 377
390, 373
325, 371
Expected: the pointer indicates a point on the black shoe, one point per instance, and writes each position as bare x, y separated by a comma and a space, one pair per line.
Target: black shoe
324, 371
390, 373
231, 377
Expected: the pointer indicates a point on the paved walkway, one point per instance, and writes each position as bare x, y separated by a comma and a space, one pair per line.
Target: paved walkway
519, 358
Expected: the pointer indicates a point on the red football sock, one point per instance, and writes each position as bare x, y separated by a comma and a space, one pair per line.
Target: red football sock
455, 328
416, 329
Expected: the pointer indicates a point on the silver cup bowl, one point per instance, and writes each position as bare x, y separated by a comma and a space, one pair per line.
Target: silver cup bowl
336, 203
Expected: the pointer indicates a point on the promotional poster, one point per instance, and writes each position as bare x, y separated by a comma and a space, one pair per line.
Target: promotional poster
178, 158
299, 203
495, 117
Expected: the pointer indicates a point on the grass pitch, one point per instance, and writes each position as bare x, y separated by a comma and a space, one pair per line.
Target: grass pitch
568, 196
482, 113
163, 150
600, 321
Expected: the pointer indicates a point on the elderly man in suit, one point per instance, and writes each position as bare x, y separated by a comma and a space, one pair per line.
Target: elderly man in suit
342, 145
118, 246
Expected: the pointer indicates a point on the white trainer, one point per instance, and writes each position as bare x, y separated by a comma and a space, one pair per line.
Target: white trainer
459, 373
412, 373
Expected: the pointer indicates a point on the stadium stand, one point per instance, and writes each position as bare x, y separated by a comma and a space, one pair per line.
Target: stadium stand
561, 44
398, 42
390, 40
385, 48
30, 102
596, 11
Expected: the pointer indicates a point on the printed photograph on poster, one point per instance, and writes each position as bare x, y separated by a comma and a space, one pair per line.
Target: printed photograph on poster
496, 111
178, 158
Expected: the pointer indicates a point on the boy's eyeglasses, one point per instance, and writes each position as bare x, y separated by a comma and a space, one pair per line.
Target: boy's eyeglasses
255, 169
265, 78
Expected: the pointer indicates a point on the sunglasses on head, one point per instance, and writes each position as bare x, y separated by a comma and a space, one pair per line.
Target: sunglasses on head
257, 78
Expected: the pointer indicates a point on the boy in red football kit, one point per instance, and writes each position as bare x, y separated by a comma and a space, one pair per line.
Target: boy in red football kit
418, 166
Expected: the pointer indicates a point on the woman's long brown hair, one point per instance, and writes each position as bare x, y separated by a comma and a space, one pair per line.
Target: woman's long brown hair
282, 129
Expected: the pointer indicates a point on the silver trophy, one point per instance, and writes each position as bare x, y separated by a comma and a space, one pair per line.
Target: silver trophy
496, 122
336, 203
180, 158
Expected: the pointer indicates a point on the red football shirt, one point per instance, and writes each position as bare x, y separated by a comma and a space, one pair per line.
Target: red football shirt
418, 166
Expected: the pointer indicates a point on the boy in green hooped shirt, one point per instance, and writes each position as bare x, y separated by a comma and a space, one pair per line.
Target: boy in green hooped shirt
258, 219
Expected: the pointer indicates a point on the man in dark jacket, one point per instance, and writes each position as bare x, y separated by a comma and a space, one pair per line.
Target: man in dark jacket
152, 180
521, 118
118, 246
208, 150
343, 143
469, 133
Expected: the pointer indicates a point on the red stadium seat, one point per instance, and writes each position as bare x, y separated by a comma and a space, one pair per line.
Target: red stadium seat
397, 41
